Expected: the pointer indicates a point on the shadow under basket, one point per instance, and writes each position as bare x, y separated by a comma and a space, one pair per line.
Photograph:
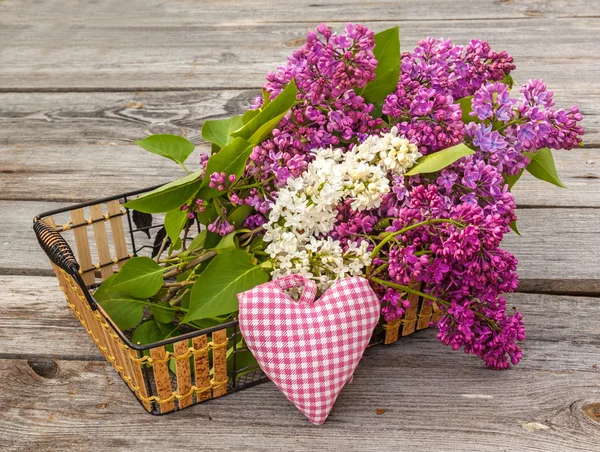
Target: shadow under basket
175, 373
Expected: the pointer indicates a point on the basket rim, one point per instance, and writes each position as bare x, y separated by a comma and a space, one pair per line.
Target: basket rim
192, 334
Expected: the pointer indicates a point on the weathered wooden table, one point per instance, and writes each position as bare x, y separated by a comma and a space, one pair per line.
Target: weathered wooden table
79, 80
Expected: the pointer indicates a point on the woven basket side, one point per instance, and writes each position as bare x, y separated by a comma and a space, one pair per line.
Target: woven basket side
123, 359
417, 317
109, 247
191, 367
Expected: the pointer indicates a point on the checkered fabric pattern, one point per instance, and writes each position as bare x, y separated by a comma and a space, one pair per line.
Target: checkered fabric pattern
309, 348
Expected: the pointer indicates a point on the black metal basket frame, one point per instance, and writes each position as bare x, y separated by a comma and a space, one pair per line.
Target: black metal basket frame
60, 253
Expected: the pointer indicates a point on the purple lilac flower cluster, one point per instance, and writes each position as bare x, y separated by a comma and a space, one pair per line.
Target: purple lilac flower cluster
328, 111
510, 130
461, 264
455, 255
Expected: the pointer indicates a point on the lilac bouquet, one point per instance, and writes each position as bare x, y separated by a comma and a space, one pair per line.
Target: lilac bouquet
359, 160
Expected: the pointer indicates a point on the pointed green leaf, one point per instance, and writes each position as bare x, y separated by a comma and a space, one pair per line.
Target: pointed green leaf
215, 291
196, 243
140, 277
261, 125
249, 115
511, 179
266, 98
440, 160
508, 80
513, 226
466, 108
175, 221
227, 243
126, 311
169, 196
239, 215
542, 167
162, 312
152, 331
230, 160
387, 72
218, 131
173, 147
104, 287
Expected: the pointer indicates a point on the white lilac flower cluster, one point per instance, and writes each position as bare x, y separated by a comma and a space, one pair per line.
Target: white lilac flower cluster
305, 210
391, 152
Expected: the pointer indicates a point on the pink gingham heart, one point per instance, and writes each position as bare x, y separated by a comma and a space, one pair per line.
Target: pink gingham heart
309, 348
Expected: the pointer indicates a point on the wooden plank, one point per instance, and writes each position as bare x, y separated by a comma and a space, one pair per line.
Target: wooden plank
537, 406
33, 309
162, 378
237, 52
38, 173
82, 245
118, 232
113, 118
117, 118
558, 245
219, 362
184, 373
201, 368
101, 237
220, 12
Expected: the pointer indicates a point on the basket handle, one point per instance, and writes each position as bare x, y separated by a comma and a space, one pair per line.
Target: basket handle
60, 254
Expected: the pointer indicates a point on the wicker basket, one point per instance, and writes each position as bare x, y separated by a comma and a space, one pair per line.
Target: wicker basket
199, 359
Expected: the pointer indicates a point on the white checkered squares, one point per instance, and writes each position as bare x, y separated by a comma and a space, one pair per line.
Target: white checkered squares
309, 348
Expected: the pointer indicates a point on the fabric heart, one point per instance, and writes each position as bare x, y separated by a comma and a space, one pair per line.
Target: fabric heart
309, 348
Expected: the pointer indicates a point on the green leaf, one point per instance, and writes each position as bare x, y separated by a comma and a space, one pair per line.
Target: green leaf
205, 323
228, 242
466, 108
508, 80
239, 215
215, 291
261, 125
513, 226
387, 72
173, 147
125, 310
140, 277
266, 98
209, 215
169, 196
218, 131
439, 160
104, 287
162, 312
196, 243
511, 179
152, 331
257, 244
230, 160
212, 240
244, 360
175, 221
542, 167
249, 115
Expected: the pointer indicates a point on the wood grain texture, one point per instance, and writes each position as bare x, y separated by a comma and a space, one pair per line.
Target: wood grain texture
114, 118
558, 245
47, 321
189, 13
550, 388
77, 173
80, 80
138, 46
162, 378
